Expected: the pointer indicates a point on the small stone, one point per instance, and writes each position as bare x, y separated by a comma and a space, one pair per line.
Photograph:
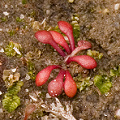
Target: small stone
13, 70
21, 16
6, 13
70, 1
47, 95
27, 90
6, 6
27, 77
0, 92
1, 50
105, 11
1, 30
117, 6
117, 114
1, 110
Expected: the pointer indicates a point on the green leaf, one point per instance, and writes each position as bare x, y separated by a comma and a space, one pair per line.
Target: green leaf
10, 103
103, 83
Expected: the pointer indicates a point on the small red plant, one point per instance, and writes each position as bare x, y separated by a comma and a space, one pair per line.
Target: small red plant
56, 86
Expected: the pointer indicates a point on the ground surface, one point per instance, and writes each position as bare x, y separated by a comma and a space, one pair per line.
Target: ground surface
99, 22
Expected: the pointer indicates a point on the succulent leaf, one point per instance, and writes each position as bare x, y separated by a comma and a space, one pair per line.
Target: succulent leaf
84, 60
55, 87
70, 86
43, 75
67, 29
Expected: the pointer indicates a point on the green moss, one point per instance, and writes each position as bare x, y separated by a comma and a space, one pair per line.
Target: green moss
85, 82
13, 49
31, 70
103, 82
15, 88
76, 33
115, 71
94, 54
56, 28
18, 19
3, 19
12, 32
11, 101
32, 14
76, 27
24, 1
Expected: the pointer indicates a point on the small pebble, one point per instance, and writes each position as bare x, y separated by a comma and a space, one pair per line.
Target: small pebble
27, 77
21, 16
1, 30
70, 1
47, 95
105, 11
1, 50
27, 90
1, 110
6, 6
6, 13
13, 70
117, 6
117, 114
0, 93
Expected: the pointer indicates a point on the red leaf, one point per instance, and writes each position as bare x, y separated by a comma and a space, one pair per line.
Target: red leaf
67, 29
59, 39
82, 45
45, 37
43, 75
55, 87
84, 60
70, 86
29, 109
